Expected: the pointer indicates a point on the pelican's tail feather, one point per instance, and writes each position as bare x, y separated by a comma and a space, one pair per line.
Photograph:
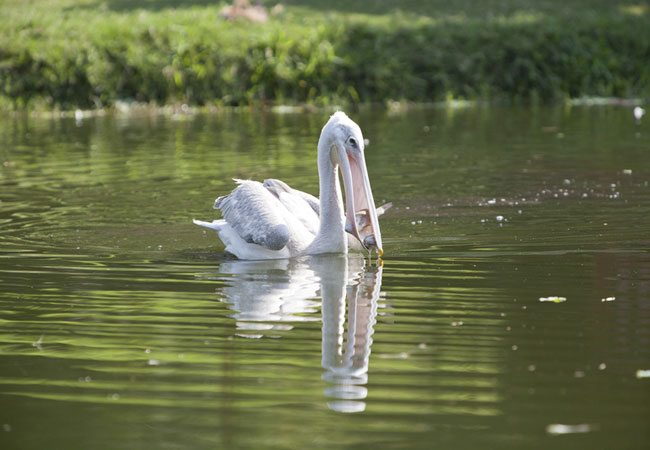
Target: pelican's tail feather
214, 225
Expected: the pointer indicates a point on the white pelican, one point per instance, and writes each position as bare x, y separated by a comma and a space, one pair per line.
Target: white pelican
270, 220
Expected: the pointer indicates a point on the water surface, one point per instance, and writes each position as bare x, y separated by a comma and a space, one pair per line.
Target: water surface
122, 325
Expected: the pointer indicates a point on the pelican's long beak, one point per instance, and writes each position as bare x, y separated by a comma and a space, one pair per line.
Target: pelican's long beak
361, 215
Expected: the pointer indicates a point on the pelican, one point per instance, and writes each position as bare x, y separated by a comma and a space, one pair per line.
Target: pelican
271, 220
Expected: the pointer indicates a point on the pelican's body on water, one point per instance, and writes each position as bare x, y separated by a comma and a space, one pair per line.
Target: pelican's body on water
271, 220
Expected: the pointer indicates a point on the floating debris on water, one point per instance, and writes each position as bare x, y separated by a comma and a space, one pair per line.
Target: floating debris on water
153, 362
499, 218
608, 299
38, 344
638, 113
560, 428
627, 171
553, 299
641, 373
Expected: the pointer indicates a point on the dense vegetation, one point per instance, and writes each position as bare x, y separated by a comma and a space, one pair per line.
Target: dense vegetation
86, 53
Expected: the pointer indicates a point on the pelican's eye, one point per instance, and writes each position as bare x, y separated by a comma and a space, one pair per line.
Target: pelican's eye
353, 142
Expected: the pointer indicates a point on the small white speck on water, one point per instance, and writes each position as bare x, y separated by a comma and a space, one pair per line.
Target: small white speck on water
492, 201
531, 368
413, 222
643, 373
457, 324
515, 347
6, 427
602, 366
153, 362
553, 299
115, 396
147, 351
567, 182
608, 299
579, 374
499, 218
627, 171
638, 113
559, 428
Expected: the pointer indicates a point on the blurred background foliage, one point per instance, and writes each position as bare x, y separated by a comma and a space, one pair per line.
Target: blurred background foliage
66, 54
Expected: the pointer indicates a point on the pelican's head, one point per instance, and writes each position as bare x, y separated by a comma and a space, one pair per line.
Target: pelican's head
345, 144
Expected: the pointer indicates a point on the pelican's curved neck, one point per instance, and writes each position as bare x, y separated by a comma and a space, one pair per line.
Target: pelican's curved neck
331, 234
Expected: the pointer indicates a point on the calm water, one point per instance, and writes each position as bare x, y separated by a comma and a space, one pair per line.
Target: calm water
124, 326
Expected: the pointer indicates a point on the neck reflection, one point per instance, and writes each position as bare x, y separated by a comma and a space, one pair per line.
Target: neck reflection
268, 297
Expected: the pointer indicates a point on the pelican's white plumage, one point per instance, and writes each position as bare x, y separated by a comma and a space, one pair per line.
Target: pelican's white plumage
271, 220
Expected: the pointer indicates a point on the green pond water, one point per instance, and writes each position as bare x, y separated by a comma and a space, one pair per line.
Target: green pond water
125, 326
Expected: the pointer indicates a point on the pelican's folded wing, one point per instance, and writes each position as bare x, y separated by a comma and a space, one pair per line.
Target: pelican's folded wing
277, 187
302, 206
255, 214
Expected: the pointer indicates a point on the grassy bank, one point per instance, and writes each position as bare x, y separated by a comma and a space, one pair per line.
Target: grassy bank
86, 53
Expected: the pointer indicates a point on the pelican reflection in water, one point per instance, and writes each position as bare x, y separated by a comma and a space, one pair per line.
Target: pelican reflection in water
269, 296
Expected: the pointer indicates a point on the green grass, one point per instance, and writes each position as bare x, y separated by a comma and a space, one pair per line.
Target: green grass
63, 54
